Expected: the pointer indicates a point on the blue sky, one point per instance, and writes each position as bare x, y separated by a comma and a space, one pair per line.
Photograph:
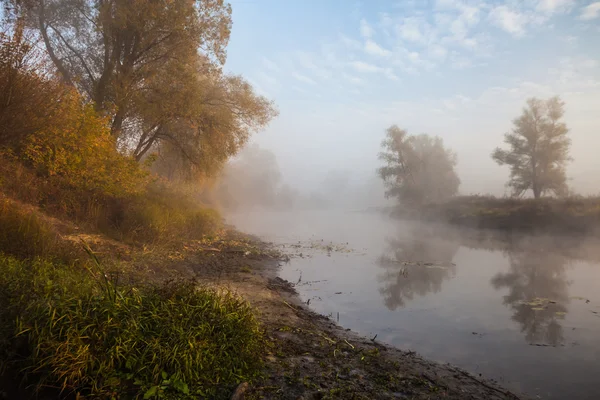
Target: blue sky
343, 71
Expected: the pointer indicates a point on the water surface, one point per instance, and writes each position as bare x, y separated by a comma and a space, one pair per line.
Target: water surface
524, 311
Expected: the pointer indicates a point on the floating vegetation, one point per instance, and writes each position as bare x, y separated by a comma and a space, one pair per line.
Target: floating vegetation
538, 303
319, 245
579, 298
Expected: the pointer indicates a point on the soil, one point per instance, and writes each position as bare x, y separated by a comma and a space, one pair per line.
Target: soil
310, 356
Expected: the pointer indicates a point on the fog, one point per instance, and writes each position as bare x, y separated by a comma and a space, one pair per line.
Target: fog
253, 181
461, 70
521, 309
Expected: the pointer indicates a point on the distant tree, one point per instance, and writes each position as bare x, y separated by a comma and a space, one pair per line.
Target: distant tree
539, 149
418, 169
251, 180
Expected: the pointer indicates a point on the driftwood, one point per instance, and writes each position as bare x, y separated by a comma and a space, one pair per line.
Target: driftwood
240, 391
210, 249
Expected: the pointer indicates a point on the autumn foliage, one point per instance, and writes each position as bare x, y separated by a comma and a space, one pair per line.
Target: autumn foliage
57, 152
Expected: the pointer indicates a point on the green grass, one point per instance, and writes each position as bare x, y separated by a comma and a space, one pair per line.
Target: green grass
74, 331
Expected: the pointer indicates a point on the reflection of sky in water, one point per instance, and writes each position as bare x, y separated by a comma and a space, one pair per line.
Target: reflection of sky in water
515, 312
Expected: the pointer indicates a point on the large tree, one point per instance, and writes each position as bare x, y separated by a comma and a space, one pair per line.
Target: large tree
418, 169
538, 149
154, 66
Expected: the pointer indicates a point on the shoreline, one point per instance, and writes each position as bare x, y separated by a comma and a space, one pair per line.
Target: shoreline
312, 357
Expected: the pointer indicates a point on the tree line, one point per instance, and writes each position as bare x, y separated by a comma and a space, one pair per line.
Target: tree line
419, 169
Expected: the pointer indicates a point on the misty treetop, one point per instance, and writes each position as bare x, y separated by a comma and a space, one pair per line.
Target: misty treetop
538, 149
155, 68
418, 169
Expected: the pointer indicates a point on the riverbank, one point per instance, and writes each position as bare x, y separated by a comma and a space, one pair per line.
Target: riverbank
310, 356
568, 216
306, 355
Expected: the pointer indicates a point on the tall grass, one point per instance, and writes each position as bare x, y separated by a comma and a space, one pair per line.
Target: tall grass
165, 214
78, 333
25, 235
161, 213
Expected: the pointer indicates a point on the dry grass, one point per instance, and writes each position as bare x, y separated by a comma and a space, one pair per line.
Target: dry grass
161, 214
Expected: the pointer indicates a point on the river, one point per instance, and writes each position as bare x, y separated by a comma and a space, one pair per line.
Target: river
524, 311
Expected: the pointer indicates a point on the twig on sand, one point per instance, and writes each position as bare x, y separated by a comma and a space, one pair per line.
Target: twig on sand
210, 249
326, 338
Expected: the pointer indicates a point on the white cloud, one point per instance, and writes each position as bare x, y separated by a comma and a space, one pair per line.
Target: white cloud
348, 42
306, 61
413, 29
389, 73
374, 49
590, 12
353, 79
362, 66
365, 29
553, 6
512, 21
299, 89
270, 65
267, 79
303, 78
411, 61
460, 62
437, 52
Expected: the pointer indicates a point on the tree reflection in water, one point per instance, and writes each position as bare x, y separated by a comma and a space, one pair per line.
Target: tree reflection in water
419, 263
537, 290
415, 266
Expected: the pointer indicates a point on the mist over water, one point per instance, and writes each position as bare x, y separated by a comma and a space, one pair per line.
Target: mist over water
522, 310
471, 87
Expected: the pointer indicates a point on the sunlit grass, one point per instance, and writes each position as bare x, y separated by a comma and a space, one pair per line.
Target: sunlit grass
76, 331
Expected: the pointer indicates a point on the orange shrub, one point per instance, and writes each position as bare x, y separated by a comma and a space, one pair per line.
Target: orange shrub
80, 149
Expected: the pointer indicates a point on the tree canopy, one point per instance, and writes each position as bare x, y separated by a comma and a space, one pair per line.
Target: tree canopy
538, 149
155, 68
418, 169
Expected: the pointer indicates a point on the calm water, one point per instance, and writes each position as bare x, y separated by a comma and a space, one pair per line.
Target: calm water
525, 312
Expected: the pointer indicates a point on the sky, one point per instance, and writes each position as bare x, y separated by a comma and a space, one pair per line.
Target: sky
341, 72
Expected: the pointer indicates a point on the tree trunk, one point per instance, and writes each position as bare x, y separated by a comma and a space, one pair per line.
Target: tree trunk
117, 123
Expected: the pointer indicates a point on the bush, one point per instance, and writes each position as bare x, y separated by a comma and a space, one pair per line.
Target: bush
89, 337
164, 214
81, 150
25, 235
